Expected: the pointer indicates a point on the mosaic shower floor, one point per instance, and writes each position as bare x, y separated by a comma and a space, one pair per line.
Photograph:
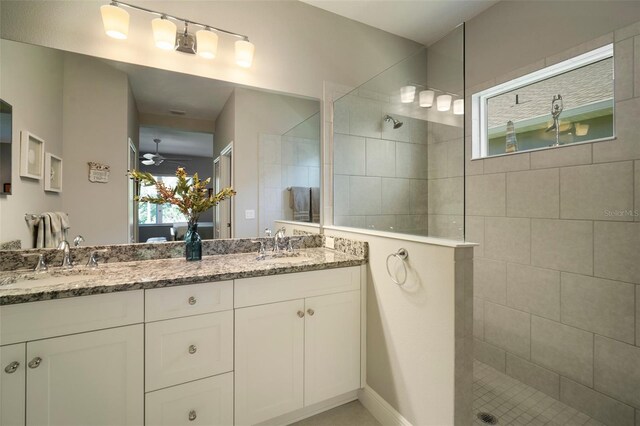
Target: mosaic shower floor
516, 404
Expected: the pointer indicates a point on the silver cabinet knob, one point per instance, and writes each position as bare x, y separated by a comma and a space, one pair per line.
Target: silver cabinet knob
192, 300
192, 415
311, 311
300, 314
11, 368
35, 363
193, 349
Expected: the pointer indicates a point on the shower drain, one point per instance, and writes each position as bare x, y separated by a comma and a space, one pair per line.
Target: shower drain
487, 418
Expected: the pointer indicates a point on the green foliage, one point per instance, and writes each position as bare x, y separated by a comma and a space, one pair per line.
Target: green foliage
190, 195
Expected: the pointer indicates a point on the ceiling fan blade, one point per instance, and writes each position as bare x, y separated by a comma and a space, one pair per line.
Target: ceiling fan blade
149, 156
177, 159
147, 162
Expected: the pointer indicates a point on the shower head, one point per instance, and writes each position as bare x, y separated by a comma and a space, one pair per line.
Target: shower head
396, 123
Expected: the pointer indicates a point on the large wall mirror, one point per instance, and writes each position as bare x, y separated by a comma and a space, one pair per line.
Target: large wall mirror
6, 131
123, 116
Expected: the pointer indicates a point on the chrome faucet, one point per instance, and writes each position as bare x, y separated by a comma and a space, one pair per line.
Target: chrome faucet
66, 259
278, 238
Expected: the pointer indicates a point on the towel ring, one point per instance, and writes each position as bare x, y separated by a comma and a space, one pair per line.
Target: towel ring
402, 255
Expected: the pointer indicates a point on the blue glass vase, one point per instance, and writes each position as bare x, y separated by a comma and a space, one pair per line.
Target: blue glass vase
193, 243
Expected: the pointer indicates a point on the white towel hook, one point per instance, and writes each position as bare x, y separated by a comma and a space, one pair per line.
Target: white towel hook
402, 254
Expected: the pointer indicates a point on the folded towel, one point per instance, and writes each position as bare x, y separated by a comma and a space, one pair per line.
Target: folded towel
300, 203
52, 228
315, 204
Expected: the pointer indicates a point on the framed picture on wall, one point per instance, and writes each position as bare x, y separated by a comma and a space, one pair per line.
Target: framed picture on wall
52, 173
31, 155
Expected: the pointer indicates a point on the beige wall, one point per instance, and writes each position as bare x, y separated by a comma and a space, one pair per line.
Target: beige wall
96, 129
555, 277
31, 81
297, 45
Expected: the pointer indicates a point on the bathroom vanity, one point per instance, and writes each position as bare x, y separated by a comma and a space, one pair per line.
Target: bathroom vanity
229, 340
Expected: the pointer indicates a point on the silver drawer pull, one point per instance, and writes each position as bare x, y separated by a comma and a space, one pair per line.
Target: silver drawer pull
300, 314
192, 300
193, 349
35, 363
11, 368
192, 415
311, 311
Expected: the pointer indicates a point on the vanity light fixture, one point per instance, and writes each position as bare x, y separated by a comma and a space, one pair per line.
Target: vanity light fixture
443, 102
425, 98
458, 107
407, 94
205, 42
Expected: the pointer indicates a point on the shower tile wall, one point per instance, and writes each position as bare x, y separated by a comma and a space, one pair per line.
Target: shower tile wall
385, 178
380, 173
557, 272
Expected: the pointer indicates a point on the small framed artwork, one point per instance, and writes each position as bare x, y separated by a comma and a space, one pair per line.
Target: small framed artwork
52, 173
31, 155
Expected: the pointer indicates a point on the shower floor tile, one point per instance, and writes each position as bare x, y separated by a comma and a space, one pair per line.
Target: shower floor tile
517, 404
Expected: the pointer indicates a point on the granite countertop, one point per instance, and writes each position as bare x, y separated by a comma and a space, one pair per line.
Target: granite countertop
23, 286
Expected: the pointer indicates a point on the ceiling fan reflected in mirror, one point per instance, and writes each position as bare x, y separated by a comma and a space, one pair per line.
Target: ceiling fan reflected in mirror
156, 159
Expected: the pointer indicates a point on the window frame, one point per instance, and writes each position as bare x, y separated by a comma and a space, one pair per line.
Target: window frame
479, 100
159, 208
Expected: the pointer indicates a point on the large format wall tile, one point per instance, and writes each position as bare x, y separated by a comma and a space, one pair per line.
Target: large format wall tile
411, 160
563, 349
364, 195
381, 157
341, 195
507, 163
396, 193
534, 290
617, 370
533, 194
533, 375
595, 404
446, 196
636, 212
564, 155
437, 153
616, 251
474, 232
565, 245
478, 318
489, 354
508, 239
603, 306
637, 315
365, 117
507, 328
486, 195
419, 196
597, 191
626, 146
623, 53
349, 158
490, 280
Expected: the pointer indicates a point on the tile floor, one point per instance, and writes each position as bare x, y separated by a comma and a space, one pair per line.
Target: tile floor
516, 404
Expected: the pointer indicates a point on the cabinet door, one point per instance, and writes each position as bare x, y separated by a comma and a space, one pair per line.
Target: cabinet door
202, 402
12, 384
93, 378
332, 346
269, 361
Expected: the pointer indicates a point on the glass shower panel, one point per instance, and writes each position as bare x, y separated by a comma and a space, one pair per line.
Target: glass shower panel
398, 146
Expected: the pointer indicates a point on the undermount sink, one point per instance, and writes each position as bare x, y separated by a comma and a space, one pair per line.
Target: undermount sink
286, 259
44, 281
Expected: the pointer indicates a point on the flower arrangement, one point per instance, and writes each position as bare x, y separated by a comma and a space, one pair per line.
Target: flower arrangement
190, 195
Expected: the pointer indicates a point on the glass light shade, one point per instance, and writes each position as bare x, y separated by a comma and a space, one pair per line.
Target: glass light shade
244, 53
582, 129
425, 98
458, 107
207, 42
164, 33
407, 94
443, 102
115, 21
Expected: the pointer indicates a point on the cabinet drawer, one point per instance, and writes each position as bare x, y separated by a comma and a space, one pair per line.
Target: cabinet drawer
203, 402
185, 349
185, 300
49, 318
276, 288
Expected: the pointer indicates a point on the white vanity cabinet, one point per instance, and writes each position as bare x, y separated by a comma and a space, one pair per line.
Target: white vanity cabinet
291, 354
78, 377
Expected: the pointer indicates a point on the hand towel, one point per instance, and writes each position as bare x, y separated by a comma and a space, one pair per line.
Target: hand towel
315, 204
300, 203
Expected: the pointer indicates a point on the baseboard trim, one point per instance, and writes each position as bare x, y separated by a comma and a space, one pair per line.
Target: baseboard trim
381, 409
312, 410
